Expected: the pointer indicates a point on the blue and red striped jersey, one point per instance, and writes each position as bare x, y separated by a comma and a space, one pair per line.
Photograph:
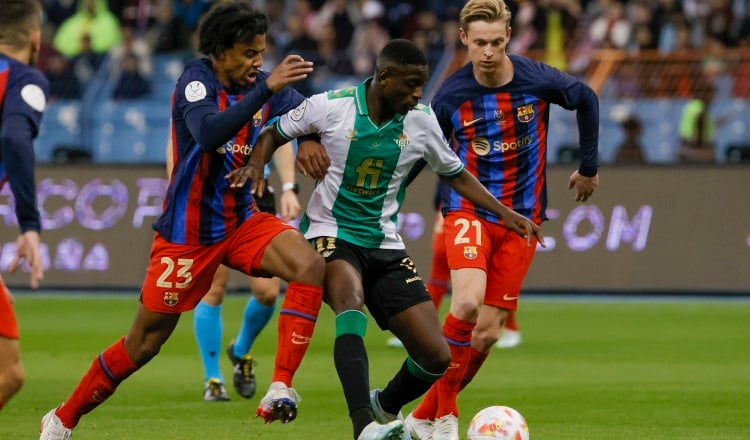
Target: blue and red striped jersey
200, 208
23, 97
500, 133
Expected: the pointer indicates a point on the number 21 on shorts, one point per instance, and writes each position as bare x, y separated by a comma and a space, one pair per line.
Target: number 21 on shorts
462, 236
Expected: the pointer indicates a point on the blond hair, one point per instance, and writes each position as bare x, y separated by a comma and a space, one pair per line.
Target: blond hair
484, 10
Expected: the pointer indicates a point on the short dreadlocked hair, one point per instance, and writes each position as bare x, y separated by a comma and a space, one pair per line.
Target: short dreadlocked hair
226, 24
18, 18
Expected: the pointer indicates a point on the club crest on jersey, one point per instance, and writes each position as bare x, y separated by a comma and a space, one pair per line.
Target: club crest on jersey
258, 118
352, 135
470, 252
500, 116
525, 113
481, 146
171, 298
402, 141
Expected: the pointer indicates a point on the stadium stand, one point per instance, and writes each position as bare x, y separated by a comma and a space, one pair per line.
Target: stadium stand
650, 80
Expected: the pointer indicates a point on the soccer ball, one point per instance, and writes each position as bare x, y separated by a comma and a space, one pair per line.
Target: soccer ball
498, 422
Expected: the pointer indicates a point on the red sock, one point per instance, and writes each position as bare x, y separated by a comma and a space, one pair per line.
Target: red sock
458, 334
437, 290
427, 408
110, 368
476, 359
299, 311
510, 321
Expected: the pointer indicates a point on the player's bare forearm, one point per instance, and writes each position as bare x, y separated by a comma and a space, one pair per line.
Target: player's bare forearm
283, 161
268, 143
472, 190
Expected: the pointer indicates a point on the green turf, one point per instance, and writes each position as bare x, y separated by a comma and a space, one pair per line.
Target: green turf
586, 370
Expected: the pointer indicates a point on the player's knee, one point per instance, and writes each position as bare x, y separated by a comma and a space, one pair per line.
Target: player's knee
341, 301
311, 270
267, 297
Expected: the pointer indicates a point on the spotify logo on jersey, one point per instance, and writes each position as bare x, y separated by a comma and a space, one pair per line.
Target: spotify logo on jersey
481, 146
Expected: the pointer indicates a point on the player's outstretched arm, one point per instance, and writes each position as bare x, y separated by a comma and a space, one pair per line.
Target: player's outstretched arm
469, 187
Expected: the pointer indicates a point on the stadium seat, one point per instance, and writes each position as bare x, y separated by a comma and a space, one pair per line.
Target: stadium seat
60, 128
660, 119
562, 132
130, 132
735, 128
167, 69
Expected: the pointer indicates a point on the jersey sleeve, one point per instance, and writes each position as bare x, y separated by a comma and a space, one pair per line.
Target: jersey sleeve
438, 154
25, 100
287, 99
573, 94
308, 117
196, 100
27, 96
195, 93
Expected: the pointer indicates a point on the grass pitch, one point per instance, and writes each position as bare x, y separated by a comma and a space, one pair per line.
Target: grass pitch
586, 370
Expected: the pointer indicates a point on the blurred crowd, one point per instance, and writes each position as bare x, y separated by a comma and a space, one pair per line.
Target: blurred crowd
343, 36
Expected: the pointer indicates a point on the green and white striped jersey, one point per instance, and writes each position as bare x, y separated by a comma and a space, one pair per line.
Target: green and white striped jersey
360, 196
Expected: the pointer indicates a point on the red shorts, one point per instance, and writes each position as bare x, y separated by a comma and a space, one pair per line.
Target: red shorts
180, 275
477, 243
8, 323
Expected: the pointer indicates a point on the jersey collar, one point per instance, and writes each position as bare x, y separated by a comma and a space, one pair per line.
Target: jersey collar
360, 97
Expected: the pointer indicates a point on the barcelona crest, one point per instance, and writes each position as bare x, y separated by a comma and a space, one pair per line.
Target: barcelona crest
525, 113
470, 252
171, 298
